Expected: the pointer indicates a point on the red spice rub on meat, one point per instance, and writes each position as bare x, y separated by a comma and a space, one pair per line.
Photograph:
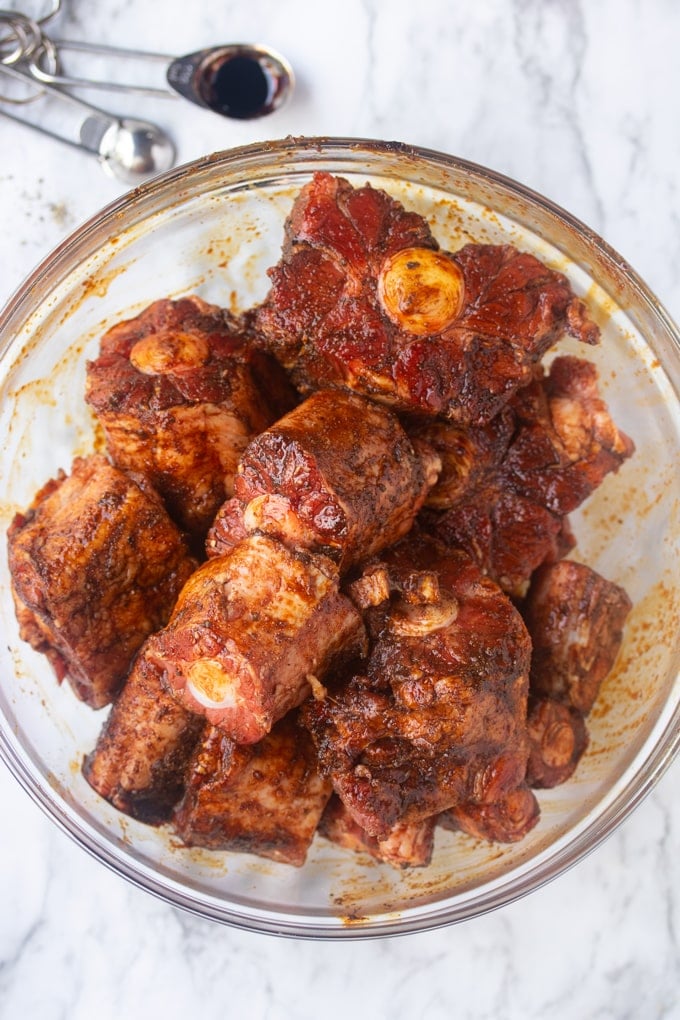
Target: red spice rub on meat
337, 475
507, 820
251, 633
510, 514
265, 798
179, 391
141, 755
385, 636
408, 845
436, 715
558, 738
363, 298
576, 619
96, 565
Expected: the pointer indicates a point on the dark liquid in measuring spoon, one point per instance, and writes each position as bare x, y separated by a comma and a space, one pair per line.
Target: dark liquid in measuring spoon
238, 81
240, 88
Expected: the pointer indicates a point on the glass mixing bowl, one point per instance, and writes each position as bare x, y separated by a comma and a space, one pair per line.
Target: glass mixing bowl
212, 228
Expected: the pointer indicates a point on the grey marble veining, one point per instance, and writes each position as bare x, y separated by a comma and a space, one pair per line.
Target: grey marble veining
579, 101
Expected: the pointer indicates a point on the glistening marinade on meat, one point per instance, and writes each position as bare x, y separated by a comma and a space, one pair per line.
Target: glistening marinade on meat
338, 475
364, 299
326, 573
250, 633
436, 713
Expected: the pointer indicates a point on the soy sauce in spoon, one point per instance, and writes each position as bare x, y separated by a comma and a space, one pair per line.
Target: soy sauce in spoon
240, 80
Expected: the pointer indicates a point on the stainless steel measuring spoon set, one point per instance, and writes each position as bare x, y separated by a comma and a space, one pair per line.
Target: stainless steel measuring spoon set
238, 80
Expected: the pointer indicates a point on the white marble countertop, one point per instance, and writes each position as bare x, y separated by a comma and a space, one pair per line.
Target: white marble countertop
576, 100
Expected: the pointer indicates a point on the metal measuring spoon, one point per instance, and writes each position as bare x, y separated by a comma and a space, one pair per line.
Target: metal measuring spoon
237, 80
128, 149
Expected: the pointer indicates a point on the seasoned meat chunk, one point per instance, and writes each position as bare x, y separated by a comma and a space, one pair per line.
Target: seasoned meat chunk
363, 298
408, 845
140, 759
96, 565
437, 715
337, 475
558, 737
508, 535
252, 632
576, 619
507, 820
265, 798
513, 516
179, 391
470, 455
335, 236
566, 441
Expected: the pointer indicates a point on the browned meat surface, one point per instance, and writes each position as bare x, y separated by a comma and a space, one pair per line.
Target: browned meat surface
507, 820
408, 845
362, 298
470, 455
251, 632
96, 565
436, 716
265, 798
337, 475
508, 535
566, 440
576, 619
512, 517
139, 761
179, 392
558, 738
